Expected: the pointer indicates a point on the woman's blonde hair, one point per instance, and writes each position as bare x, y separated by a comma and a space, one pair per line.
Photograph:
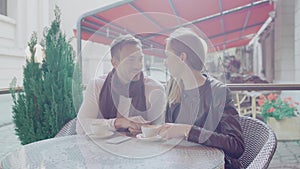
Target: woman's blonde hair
173, 91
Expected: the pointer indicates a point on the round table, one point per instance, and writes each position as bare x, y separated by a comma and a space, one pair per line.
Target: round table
72, 152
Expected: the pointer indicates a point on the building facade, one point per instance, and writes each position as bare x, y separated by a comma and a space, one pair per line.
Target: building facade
19, 18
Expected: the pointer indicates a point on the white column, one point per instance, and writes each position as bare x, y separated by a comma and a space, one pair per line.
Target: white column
35, 19
284, 41
31, 17
43, 16
21, 28
257, 58
297, 41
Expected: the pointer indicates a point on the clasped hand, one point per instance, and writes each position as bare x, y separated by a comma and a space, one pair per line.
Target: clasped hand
133, 124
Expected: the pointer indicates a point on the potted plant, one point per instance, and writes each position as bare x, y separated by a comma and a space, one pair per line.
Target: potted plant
281, 115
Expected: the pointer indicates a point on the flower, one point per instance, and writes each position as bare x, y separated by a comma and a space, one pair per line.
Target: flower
39, 53
274, 106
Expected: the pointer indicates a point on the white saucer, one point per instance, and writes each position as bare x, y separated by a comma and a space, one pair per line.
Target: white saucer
107, 134
154, 138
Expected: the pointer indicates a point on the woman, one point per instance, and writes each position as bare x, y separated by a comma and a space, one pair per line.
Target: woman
199, 107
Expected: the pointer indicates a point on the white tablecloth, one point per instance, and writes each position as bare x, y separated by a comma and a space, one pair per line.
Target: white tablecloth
82, 152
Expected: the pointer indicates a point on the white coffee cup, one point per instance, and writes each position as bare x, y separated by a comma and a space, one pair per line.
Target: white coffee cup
99, 129
149, 130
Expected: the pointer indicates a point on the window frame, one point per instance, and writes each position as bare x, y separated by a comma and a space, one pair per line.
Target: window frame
3, 7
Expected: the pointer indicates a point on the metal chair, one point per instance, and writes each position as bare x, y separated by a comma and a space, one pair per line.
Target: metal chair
68, 129
260, 143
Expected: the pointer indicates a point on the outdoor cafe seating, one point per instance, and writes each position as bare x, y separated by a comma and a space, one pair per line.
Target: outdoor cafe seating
68, 147
67, 150
260, 141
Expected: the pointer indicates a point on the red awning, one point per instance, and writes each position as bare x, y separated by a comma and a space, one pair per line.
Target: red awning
225, 23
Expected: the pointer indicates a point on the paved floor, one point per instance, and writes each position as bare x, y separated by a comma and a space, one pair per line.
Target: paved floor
6, 109
8, 140
287, 154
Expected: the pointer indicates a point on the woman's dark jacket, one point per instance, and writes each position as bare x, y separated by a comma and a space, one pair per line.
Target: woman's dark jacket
215, 121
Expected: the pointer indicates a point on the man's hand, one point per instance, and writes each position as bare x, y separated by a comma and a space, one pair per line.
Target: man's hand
125, 123
139, 120
133, 124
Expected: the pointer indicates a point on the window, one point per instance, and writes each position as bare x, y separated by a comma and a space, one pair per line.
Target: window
3, 7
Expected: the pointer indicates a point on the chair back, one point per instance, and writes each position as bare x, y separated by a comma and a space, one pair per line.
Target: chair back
68, 129
260, 143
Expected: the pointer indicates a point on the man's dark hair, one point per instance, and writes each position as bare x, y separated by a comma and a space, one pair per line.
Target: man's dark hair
122, 40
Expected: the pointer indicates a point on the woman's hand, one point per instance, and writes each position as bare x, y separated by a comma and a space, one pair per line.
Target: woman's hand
173, 130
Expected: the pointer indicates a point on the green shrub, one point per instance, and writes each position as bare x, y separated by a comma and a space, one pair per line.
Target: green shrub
52, 90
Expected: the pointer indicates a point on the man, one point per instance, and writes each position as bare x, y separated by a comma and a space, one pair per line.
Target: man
124, 99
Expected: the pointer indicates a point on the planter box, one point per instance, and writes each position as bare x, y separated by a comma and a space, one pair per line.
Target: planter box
286, 129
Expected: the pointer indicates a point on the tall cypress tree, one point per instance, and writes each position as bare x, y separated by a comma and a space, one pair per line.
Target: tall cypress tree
52, 91
27, 105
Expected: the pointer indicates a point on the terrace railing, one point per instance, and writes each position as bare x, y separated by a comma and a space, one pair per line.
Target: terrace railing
252, 90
